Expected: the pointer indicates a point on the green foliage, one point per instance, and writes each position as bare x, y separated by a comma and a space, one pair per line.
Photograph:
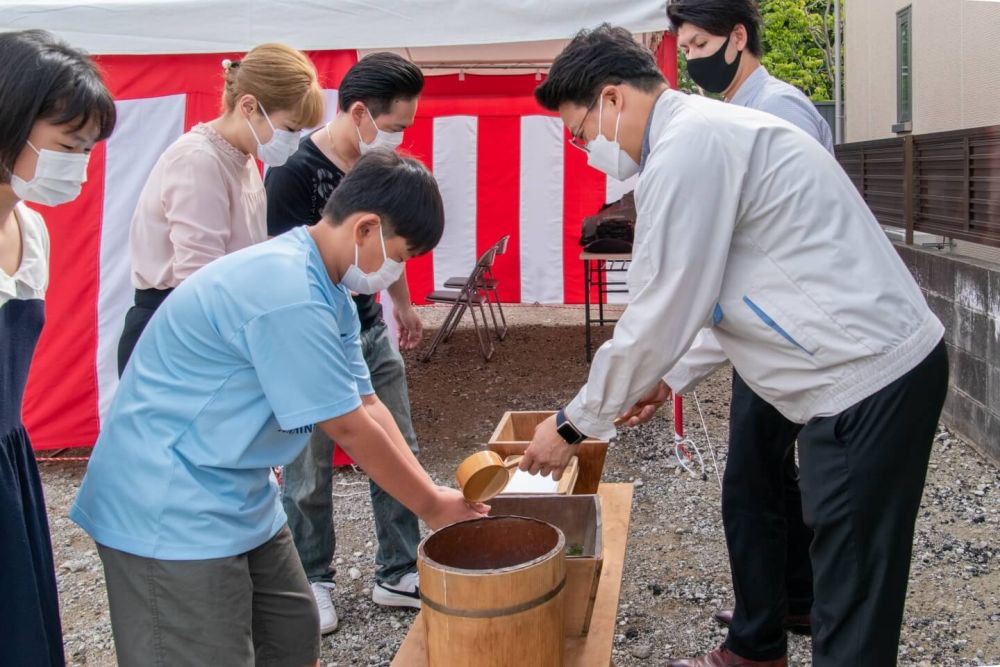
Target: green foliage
798, 44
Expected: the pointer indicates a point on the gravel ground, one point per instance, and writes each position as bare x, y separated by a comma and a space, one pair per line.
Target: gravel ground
676, 571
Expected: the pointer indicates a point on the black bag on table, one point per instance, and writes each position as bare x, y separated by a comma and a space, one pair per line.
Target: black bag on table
611, 229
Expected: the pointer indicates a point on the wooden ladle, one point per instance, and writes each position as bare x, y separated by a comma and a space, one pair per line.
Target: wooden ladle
483, 475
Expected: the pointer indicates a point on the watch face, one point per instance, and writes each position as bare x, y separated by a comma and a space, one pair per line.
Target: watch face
568, 433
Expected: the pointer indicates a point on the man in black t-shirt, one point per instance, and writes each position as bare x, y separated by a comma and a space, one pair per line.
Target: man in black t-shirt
296, 195
377, 101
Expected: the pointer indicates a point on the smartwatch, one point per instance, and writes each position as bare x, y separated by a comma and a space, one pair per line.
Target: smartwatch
564, 427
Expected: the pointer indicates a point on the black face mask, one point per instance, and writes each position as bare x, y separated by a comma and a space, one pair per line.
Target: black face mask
712, 72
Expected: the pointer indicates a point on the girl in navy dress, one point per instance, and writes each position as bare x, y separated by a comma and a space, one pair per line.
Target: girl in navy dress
55, 108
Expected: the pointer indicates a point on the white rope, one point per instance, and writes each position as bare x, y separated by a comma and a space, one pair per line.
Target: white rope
354, 468
715, 462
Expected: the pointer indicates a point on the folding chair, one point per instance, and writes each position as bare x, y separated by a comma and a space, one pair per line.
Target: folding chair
489, 285
469, 297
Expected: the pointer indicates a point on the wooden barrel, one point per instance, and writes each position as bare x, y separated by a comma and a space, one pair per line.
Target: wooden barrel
492, 592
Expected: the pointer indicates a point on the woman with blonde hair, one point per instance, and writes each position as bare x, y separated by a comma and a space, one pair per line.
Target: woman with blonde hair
204, 197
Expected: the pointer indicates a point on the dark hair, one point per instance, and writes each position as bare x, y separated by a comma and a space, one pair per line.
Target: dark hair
596, 58
378, 80
719, 18
43, 78
399, 190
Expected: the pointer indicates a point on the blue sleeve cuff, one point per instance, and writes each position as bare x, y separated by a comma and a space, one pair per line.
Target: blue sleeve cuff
319, 414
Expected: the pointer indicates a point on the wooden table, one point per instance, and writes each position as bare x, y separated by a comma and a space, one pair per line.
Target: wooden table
595, 271
594, 650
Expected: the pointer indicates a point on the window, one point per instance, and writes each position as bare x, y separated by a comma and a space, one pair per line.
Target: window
904, 70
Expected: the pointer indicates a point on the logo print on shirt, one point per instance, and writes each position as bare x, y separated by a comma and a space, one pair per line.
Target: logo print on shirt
298, 431
324, 183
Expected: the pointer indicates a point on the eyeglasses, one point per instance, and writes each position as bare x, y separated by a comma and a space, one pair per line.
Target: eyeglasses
576, 139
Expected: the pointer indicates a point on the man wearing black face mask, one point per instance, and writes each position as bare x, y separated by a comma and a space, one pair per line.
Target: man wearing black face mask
761, 500
722, 43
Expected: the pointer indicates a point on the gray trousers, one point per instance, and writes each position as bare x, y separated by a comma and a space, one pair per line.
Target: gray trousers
251, 609
308, 486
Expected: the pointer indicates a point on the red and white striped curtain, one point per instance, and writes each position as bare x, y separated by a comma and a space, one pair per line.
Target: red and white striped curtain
503, 164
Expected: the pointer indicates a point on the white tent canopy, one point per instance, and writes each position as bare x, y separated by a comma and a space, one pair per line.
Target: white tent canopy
213, 26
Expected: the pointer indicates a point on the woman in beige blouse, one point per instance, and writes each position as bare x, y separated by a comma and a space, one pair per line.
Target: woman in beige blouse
205, 197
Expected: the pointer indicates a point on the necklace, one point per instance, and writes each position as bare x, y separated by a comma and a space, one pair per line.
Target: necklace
333, 156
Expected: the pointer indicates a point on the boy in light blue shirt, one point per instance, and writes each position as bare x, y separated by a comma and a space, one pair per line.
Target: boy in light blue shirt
227, 381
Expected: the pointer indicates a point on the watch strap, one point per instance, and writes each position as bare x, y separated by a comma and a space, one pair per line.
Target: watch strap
567, 430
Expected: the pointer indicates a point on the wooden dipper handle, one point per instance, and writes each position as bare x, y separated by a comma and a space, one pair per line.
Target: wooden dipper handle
621, 420
513, 463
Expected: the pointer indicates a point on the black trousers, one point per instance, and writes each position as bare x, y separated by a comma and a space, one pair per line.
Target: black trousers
862, 476
136, 319
762, 515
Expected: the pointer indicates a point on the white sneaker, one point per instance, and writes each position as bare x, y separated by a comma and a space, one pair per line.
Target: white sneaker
327, 614
405, 593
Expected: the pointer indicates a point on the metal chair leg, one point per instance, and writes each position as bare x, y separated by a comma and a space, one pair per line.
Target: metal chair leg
486, 333
493, 316
437, 339
482, 334
447, 328
460, 311
503, 332
449, 321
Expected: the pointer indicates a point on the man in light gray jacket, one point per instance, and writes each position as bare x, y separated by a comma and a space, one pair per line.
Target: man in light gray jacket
749, 226
767, 539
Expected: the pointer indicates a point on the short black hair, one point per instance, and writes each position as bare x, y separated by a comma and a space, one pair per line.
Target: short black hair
400, 190
378, 80
720, 18
596, 58
43, 78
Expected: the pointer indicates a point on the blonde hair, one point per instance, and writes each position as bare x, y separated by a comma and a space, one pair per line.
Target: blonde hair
280, 78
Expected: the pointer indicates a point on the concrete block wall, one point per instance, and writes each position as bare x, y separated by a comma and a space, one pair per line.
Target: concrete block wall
965, 295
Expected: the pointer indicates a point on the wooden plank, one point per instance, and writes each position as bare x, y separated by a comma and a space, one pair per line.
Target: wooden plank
908, 197
412, 653
594, 650
608, 256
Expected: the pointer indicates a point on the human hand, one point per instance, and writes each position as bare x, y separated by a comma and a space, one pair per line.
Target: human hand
548, 452
411, 329
645, 407
450, 506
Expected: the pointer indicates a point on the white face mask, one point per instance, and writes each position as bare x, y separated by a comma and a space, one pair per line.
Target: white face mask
389, 140
358, 281
282, 145
608, 156
57, 180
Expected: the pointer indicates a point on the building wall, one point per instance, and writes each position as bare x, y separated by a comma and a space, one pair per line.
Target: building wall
869, 68
956, 85
965, 295
956, 72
